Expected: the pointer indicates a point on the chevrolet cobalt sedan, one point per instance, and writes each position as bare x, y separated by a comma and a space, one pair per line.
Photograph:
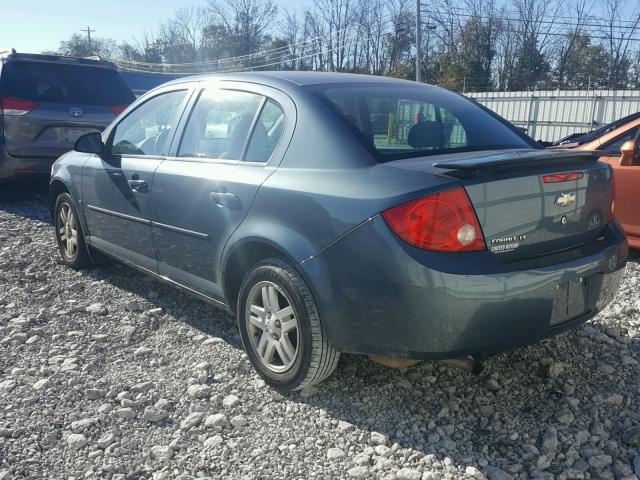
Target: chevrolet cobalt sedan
344, 213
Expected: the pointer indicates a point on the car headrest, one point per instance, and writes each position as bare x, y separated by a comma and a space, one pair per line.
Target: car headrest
426, 134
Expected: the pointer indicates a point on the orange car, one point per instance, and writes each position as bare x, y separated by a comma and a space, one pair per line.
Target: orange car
619, 143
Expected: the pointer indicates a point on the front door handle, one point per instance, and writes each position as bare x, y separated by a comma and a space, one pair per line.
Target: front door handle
138, 185
224, 199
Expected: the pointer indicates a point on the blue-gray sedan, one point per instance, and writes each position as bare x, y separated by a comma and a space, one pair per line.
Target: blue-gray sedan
345, 213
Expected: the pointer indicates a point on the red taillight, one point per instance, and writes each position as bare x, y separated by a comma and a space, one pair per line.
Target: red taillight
17, 106
562, 177
442, 222
118, 109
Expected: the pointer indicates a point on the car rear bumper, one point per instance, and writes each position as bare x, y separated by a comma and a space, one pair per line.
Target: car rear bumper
15, 167
378, 295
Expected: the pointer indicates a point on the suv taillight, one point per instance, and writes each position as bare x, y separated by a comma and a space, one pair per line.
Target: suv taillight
17, 106
442, 222
118, 109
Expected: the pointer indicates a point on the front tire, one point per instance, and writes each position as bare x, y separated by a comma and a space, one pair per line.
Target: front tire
280, 328
69, 235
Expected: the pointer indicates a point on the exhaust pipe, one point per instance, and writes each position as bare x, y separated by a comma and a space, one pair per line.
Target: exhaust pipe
469, 364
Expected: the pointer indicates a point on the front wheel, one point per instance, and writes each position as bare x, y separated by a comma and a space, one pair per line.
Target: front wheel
281, 329
69, 236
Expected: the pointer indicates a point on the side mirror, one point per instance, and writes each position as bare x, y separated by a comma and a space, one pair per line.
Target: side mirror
89, 143
629, 153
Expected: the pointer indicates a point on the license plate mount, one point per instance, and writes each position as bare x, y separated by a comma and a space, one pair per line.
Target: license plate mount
571, 300
72, 134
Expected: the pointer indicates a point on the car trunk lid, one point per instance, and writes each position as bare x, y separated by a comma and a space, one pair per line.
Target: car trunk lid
52, 129
523, 214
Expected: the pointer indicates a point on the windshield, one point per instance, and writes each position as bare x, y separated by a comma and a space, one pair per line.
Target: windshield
592, 135
412, 121
58, 83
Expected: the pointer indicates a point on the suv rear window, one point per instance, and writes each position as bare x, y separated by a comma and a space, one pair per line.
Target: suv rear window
58, 83
412, 121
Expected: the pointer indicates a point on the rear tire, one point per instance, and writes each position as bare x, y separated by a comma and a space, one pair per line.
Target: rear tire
281, 329
69, 234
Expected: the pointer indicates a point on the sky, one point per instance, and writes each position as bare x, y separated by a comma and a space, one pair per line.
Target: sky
36, 25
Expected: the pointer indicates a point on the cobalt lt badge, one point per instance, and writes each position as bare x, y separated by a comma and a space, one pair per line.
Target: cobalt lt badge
76, 112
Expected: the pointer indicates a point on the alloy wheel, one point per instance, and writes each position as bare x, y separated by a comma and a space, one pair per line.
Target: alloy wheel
272, 326
67, 231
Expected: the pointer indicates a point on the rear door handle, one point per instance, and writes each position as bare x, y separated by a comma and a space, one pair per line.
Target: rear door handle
138, 185
223, 199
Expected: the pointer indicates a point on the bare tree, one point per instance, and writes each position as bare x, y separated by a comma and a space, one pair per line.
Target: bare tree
467, 44
581, 12
338, 17
618, 40
246, 22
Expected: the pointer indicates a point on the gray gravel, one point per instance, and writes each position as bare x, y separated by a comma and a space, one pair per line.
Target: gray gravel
108, 374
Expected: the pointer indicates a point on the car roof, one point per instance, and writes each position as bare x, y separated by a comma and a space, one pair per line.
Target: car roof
59, 59
297, 78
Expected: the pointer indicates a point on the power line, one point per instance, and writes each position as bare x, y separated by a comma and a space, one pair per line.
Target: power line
558, 34
546, 22
345, 45
133, 65
554, 17
272, 51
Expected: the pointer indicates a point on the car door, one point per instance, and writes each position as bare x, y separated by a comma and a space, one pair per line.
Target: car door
627, 182
117, 186
230, 143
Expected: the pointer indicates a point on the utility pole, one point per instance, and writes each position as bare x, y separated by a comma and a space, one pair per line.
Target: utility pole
89, 32
418, 43
429, 27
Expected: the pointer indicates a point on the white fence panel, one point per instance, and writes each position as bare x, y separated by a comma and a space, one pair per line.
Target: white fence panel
550, 115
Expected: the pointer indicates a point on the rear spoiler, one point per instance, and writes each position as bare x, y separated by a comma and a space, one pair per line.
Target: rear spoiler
521, 158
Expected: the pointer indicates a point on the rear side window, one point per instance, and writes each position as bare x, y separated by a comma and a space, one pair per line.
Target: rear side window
59, 83
405, 122
220, 124
266, 134
148, 129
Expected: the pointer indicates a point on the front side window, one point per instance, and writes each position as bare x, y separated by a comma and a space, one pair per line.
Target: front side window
220, 124
148, 129
405, 122
613, 147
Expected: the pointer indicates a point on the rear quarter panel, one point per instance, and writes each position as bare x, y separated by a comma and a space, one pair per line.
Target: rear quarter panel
326, 185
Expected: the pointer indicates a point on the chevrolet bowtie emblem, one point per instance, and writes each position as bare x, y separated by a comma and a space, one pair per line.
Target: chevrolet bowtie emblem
565, 199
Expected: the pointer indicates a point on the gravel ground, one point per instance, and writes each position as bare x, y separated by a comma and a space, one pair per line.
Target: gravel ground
108, 374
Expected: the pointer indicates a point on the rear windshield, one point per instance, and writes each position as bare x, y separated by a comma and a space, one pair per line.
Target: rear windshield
50, 82
412, 121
